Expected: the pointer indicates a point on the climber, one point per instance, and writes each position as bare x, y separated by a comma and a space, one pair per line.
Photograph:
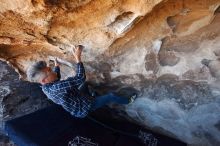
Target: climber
66, 92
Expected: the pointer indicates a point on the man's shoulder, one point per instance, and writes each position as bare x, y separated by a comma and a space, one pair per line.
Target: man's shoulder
49, 85
57, 84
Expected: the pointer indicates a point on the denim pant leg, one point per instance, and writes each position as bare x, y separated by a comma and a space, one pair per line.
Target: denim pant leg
108, 98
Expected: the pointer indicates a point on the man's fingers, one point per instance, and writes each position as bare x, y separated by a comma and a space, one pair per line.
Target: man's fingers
81, 47
51, 58
77, 50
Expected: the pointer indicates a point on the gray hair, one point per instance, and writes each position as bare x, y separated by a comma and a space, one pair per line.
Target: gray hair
34, 72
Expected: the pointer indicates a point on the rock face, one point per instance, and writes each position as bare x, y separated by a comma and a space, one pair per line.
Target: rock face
166, 50
26, 97
17, 98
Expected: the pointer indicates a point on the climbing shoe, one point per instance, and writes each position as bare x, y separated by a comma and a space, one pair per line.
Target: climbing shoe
132, 97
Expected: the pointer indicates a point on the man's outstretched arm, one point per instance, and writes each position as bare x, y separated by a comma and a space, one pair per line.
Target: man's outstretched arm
80, 76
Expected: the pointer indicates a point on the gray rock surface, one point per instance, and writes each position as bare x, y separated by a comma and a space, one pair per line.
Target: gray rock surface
184, 109
153, 47
17, 98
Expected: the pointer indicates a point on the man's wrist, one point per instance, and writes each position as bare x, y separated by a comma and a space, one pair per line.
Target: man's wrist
78, 60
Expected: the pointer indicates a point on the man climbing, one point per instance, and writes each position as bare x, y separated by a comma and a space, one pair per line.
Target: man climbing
66, 92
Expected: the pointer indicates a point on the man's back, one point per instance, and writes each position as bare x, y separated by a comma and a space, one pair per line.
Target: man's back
66, 93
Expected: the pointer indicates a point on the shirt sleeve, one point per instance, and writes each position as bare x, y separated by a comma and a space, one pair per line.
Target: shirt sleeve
57, 70
80, 76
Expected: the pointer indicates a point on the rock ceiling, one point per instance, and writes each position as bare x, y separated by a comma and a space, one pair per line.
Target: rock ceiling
165, 49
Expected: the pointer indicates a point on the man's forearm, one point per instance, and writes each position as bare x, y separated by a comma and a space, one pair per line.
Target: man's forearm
78, 60
77, 53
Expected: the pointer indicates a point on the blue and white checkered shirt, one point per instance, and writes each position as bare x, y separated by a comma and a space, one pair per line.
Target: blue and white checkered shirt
66, 93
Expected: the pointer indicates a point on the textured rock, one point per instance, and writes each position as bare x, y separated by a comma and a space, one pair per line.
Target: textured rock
26, 97
17, 98
154, 47
168, 58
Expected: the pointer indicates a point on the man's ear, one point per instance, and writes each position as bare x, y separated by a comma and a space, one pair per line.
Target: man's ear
42, 81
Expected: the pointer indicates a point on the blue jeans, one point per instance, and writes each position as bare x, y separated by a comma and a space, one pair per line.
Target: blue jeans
108, 98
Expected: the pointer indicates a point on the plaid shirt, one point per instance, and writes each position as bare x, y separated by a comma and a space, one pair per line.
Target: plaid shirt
66, 93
